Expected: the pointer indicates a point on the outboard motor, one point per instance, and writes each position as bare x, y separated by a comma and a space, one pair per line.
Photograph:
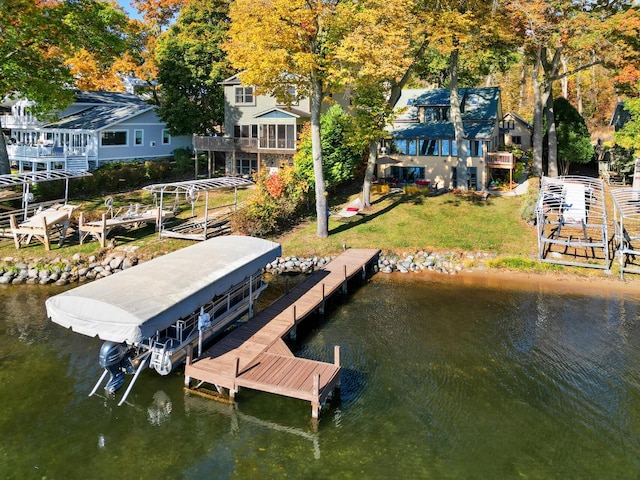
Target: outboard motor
116, 359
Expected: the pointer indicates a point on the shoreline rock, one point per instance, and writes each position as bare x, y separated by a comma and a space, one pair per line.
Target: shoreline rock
63, 271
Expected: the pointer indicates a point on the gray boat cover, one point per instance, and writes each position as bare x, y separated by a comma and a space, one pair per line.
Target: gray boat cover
133, 304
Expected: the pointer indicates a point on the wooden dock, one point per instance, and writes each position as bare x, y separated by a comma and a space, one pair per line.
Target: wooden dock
255, 355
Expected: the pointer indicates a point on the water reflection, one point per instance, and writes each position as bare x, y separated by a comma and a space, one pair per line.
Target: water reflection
456, 380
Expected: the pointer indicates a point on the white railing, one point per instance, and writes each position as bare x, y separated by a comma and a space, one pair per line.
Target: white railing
19, 121
25, 152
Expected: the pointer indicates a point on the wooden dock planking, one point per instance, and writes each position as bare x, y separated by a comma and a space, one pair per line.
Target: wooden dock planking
257, 350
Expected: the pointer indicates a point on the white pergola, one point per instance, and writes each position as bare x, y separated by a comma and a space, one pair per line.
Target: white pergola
626, 222
196, 229
26, 180
572, 222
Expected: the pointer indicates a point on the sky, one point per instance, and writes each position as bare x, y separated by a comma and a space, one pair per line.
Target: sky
131, 12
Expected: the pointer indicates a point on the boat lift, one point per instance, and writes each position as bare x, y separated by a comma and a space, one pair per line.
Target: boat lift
626, 223
571, 219
16, 186
191, 190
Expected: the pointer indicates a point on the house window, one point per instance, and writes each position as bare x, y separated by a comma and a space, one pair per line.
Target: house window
278, 136
138, 137
244, 96
436, 114
454, 148
166, 138
446, 148
516, 139
245, 131
429, 147
245, 166
475, 148
405, 146
113, 138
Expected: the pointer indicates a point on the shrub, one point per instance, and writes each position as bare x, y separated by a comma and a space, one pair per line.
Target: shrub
529, 200
277, 203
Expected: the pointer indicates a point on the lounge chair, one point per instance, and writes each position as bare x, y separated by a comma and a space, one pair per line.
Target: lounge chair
351, 209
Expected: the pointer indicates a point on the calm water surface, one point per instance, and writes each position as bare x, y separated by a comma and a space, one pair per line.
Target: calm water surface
442, 380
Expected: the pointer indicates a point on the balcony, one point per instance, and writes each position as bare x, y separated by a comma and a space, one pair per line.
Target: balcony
19, 121
225, 144
500, 160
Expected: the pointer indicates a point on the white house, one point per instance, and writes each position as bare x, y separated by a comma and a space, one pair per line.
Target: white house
98, 127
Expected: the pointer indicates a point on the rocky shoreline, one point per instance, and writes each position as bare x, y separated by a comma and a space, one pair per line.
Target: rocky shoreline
79, 268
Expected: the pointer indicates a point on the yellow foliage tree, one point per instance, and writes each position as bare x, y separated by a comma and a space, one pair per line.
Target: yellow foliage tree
280, 44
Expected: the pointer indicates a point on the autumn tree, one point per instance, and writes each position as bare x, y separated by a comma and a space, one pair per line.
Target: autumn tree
280, 45
37, 40
586, 33
376, 58
191, 66
470, 34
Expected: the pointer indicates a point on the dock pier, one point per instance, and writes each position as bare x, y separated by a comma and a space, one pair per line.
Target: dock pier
255, 354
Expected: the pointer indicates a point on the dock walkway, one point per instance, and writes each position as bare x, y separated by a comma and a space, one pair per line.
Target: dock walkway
255, 355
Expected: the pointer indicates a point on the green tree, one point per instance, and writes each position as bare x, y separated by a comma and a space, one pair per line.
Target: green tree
629, 135
574, 141
38, 38
341, 155
191, 66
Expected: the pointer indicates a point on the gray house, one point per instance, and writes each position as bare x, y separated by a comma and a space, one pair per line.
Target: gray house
99, 127
259, 130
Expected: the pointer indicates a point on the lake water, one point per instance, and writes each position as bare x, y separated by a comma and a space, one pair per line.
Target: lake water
442, 379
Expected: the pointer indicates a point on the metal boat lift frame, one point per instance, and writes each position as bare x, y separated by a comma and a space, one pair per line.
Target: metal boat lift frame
191, 191
626, 223
571, 214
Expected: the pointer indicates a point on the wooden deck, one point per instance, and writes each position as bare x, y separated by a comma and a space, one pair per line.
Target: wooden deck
255, 355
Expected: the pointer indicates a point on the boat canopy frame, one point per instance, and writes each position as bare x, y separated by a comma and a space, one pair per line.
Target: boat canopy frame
26, 181
626, 224
191, 191
571, 220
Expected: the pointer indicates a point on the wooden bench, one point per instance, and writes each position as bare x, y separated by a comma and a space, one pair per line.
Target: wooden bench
42, 225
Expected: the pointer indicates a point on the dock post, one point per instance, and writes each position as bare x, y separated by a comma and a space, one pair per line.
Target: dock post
187, 379
315, 403
293, 332
321, 308
344, 285
336, 362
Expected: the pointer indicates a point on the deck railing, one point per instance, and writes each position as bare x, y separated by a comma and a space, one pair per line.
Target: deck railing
26, 152
500, 160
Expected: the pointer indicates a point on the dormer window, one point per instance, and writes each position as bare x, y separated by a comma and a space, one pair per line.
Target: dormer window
244, 96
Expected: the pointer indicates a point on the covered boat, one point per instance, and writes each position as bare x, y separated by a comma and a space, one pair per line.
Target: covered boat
148, 315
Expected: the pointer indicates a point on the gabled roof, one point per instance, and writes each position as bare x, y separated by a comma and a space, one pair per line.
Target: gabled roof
233, 80
100, 117
475, 103
518, 119
110, 98
277, 112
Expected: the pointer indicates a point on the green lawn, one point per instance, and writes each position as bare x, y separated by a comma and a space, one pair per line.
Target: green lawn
402, 223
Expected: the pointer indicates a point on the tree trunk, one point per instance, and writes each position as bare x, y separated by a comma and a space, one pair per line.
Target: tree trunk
565, 79
5, 166
552, 137
368, 174
537, 116
316, 151
579, 93
456, 119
